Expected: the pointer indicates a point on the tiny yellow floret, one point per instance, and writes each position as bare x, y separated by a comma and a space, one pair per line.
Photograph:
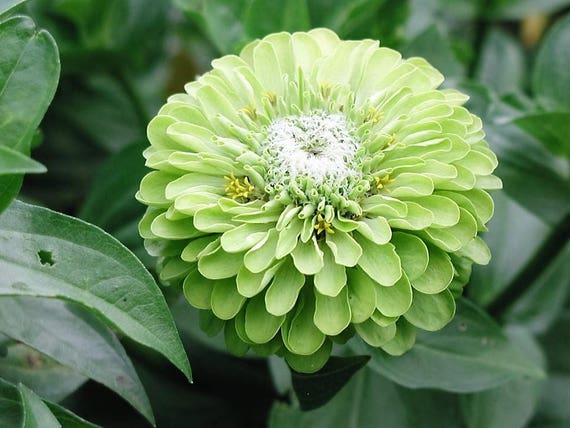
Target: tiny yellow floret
322, 225
381, 182
238, 188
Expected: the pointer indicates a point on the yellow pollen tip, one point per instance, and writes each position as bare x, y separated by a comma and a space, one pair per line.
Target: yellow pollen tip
238, 188
250, 111
381, 182
322, 225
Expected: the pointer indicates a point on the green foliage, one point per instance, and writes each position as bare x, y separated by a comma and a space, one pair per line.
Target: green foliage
84, 327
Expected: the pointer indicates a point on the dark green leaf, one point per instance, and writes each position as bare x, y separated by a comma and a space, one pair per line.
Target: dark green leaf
502, 64
8, 5
39, 372
75, 339
516, 9
69, 419
36, 413
551, 80
270, 16
468, 355
314, 390
11, 412
551, 129
47, 254
14, 162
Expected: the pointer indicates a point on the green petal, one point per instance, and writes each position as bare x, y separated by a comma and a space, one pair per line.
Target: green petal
212, 219
378, 205
146, 222
152, 189
174, 229
288, 238
476, 250
282, 294
382, 320
346, 250
260, 325
404, 339
267, 68
243, 237
191, 252
361, 295
410, 184
413, 254
198, 290
417, 218
310, 363
209, 323
453, 238
332, 314
189, 181
373, 334
234, 344
375, 229
396, 300
262, 254
431, 311
380, 262
219, 264
438, 275
226, 301
332, 278
174, 269
445, 212
250, 284
302, 336
308, 257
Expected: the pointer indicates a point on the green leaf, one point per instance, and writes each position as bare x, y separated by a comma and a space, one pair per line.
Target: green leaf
517, 9
36, 413
47, 254
75, 339
11, 412
316, 389
470, 354
68, 419
502, 63
271, 16
40, 373
8, 5
551, 129
551, 80
14, 162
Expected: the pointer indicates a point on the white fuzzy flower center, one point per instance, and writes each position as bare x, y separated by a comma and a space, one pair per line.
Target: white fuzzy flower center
318, 146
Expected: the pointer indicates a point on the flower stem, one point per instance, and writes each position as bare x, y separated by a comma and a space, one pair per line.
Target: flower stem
548, 251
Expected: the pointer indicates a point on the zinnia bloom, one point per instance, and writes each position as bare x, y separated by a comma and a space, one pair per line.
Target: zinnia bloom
312, 188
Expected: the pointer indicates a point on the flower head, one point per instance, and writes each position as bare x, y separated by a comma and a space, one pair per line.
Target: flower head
312, 188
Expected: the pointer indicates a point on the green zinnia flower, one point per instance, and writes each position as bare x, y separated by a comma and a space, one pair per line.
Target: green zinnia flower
311, 188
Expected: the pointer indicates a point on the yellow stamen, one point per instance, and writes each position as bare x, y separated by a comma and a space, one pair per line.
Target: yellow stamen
374, 115
250, 111
381, 182
391, 141
238, 188
322, 225
271, 96
326, 89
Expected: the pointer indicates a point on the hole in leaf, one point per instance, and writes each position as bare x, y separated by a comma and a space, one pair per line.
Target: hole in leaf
46, 257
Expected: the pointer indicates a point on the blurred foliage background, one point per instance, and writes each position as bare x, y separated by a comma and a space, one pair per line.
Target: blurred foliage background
120, 59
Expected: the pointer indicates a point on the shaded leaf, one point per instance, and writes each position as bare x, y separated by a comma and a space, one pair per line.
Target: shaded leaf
11, 412
68, 419
551, 129
8, 5
271, 16
36, 413
14, 162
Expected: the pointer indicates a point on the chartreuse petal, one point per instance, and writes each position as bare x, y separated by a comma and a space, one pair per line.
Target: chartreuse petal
403, 340
243, 237
161, 227
382, 320
361, 295
210, 323
431, 311
260, 325
146, 222
332, 314
213, 220
453, 238
346, 250
249, 283
417, 218
438, 274
239, 322
445, 211
310, 363
396, 300
476, 250
302, 336
413, 254
234, 344
373, 334
152, 189
375, 229
332, 277
410, 184
476, 201
282, 294
225, 300
219, 264
175, 268
380, 262
198, 290
260, 257
191, 251
308, 257
288, 237
268, 348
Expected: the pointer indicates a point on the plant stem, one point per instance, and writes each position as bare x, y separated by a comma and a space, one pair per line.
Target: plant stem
548, 251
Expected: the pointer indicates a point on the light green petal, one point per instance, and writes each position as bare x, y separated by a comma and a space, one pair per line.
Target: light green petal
181, 185
212, 219
476, 250
465, 180
174, 269
305, 50
326, 39
262, 254
191, 251
346, 249
302, 336
260, 325
413, 254
310, 363
476, 201
332, 278
382, 320
174, 229
225, 300
203, 163
404, 339
190, 203
480, 162
193, 138
410, 184
445, 212
214, 102
431, 311
156, 132
233, 342
250, 284
146, 222
373, 334
243, 237
282, 294
152, 189
267, 68
489, 182
417, 218
375, 229
332, 314
219, 264
438, 274
453, 238
308, 257
288, 238
198, 290
380, 262
396, 300
361, 295
378, 205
